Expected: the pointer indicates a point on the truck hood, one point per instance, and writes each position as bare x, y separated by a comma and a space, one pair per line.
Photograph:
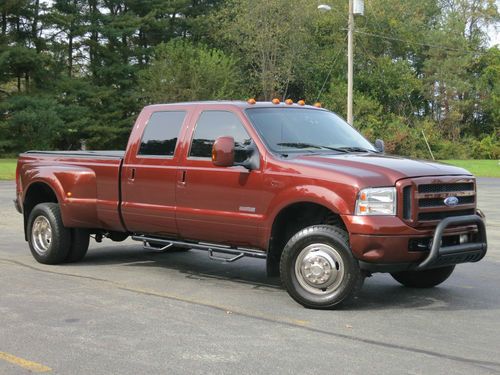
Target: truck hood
376, 169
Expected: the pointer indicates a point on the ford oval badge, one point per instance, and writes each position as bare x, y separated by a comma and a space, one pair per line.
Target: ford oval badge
451, 201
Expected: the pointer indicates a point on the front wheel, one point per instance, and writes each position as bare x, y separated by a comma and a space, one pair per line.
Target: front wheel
423, 279
318, 269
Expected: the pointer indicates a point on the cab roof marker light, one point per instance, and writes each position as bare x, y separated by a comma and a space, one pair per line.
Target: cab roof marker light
317, 105
289, 101
251, 101
301, 102
276, 101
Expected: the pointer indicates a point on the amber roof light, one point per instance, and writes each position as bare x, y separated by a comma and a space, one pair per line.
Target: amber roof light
289, 101
301, 102
317, 105
276, 101
251, 101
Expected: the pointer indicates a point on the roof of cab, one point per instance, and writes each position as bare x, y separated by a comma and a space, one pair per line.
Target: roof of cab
237, 103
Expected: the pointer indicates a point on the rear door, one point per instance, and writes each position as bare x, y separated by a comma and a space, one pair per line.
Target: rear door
218, 204
149, 173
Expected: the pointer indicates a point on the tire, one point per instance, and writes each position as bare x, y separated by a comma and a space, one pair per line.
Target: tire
49, 240
80, 239
336, 277
423, 279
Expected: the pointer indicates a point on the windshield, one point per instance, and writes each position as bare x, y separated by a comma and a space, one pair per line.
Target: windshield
287, 130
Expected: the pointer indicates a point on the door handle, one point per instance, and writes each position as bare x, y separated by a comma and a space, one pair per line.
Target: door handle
182, 178
131, 175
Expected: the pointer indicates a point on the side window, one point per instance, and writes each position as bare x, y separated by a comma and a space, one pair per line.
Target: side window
214, 124
160, 136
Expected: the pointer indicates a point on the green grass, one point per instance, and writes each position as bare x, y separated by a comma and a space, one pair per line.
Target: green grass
480, 168
8, 169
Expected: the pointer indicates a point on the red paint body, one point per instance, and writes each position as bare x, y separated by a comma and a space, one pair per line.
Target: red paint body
192, 199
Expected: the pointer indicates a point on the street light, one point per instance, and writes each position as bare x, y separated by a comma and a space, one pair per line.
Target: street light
355, 7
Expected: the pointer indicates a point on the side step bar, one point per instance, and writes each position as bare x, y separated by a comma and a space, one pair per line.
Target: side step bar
212, 249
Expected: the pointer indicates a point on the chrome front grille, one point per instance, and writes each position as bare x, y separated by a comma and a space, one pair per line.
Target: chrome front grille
423, 199
431, 216
439, 202
441, 188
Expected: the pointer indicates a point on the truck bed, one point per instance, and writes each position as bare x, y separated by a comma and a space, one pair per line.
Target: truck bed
87, 184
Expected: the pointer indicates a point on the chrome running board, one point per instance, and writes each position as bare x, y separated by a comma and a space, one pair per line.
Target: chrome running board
212, 249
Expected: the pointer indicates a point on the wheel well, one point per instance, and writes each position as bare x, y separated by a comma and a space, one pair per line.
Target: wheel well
36, 194
292, 219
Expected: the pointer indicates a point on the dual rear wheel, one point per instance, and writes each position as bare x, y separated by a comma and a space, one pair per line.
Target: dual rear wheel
50, 241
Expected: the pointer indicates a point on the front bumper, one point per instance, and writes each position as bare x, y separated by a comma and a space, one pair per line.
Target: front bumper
390, 252
448, 255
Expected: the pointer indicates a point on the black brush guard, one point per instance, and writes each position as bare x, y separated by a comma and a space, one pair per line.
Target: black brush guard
440, 256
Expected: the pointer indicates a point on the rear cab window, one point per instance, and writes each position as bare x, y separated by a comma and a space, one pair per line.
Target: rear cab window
161, 134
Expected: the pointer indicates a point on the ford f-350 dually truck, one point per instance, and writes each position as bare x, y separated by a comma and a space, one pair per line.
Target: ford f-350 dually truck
290, 183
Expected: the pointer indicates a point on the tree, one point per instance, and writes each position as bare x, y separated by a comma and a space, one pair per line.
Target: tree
270, 38
210, 74
419, 65
20, 62
66, 17
451, 88
488, 72
30, 122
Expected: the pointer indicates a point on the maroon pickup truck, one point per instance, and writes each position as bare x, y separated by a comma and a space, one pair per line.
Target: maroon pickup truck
289, 183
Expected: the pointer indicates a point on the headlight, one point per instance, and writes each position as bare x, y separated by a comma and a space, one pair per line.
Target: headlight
376, 201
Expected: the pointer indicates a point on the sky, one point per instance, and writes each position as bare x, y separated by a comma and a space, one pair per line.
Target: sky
494, 35
494, 31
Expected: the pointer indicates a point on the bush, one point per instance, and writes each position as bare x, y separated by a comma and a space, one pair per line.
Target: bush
29, 122
446, 150
486, 148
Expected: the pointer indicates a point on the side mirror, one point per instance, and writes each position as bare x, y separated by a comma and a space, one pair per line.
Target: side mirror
252, 160
379, 145
223, 152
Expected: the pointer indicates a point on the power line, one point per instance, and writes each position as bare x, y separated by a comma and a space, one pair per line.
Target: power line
334, 60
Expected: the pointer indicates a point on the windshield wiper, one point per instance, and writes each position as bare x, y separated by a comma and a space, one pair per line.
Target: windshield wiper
357, 149
310, 145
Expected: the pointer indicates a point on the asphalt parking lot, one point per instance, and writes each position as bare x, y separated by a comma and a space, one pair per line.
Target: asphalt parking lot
127, 311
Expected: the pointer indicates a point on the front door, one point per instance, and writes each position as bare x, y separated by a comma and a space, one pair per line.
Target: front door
219, 204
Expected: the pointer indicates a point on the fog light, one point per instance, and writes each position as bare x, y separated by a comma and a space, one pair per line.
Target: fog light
464, 238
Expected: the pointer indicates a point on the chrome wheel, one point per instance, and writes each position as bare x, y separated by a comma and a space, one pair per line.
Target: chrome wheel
319, 269
41, 235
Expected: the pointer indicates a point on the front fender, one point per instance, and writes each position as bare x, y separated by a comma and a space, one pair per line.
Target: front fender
307, 194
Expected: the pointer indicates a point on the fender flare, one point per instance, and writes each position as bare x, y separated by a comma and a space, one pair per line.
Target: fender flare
67, 182
305, 194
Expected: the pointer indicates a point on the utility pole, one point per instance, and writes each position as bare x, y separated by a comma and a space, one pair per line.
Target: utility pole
355, 7
350, 62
